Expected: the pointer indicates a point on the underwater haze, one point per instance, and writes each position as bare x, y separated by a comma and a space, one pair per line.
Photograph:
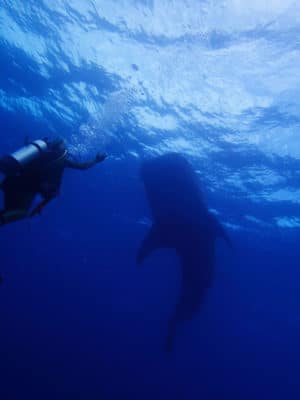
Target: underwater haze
216, 81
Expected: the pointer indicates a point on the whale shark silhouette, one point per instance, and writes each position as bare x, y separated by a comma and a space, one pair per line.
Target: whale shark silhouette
181, 221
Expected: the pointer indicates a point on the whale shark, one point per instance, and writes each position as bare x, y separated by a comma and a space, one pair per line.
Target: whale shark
180, 221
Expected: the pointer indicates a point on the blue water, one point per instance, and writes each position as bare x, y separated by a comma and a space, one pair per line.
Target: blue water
216, 81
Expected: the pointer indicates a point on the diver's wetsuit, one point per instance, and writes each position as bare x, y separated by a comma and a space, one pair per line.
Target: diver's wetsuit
43, 177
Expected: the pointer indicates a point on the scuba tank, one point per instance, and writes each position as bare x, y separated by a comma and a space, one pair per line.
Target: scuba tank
20, 159
27, 154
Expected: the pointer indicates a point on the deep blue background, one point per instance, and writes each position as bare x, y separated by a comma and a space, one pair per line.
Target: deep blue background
79, 319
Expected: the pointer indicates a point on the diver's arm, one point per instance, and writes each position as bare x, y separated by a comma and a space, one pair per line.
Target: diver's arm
85, 165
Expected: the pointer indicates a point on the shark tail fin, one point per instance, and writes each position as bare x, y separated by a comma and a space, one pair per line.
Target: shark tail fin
150, 243
170, 338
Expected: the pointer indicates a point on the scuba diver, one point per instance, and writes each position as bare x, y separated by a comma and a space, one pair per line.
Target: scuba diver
35, 169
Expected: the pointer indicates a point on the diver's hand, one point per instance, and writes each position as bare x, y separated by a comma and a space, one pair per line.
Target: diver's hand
100, 157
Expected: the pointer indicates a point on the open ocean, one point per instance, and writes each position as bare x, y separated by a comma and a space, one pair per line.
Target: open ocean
216, 81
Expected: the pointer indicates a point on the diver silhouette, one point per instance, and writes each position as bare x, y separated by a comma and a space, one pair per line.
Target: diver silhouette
36, 168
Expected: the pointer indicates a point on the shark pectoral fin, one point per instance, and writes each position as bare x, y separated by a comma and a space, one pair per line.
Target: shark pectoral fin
149, 244
225, 236
220, 231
